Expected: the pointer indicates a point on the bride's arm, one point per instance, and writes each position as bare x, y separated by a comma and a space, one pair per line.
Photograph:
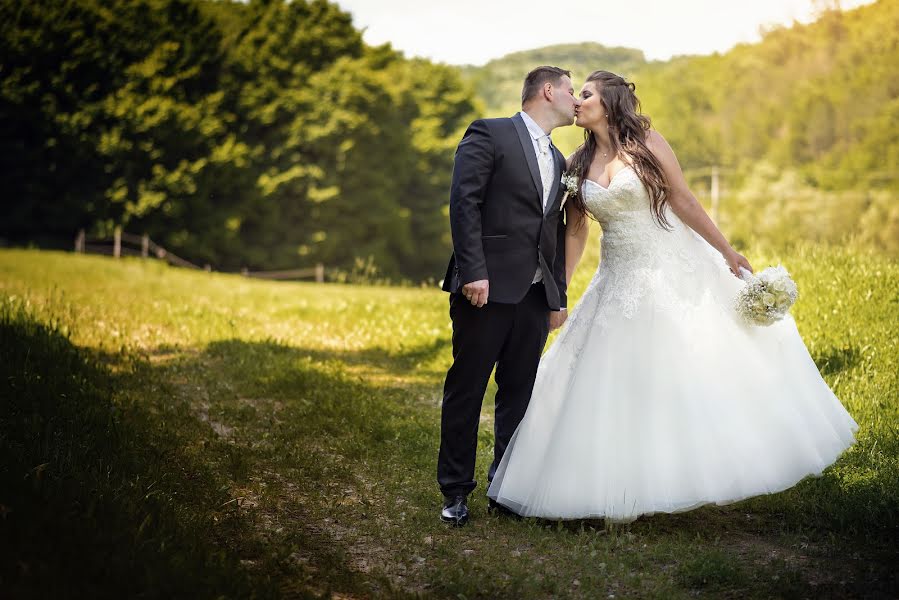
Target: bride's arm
577, 229
687, 207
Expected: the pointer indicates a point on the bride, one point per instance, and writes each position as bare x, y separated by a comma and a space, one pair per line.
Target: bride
656, 397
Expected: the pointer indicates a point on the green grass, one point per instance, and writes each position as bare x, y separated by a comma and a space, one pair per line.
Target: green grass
167, 433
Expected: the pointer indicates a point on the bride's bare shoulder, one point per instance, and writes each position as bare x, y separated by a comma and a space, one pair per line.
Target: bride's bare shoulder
658, 145
654, 140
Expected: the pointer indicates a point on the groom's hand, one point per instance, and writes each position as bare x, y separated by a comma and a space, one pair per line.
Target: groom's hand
476, 292
557, 318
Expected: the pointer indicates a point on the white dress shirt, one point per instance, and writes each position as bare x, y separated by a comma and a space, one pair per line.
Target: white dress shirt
536, 133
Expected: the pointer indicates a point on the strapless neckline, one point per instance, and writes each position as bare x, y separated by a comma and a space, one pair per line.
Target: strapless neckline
612, 180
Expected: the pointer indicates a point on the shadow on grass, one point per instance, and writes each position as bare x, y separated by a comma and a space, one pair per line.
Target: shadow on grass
100, 499
111, 486
335, 473
315, 401
329, 398
418, 364
837, 359
361, 445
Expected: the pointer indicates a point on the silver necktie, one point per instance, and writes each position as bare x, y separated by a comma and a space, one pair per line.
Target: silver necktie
545, 162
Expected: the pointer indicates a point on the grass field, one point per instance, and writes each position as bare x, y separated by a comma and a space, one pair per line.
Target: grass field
167, 433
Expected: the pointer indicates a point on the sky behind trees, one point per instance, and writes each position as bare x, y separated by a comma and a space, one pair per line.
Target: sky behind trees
474, 31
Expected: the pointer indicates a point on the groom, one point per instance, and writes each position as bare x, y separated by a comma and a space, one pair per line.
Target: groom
506, 276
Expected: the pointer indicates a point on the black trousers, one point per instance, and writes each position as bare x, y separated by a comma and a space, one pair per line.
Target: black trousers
510, 337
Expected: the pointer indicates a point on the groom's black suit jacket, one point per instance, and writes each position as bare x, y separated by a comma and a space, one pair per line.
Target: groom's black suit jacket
500, 230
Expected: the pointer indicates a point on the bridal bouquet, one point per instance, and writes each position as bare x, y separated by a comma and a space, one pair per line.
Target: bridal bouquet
767, 296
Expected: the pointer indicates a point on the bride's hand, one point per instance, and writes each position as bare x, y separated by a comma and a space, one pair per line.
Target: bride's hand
735, 260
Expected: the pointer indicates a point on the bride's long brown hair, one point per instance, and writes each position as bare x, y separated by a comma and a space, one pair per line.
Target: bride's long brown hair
627, 132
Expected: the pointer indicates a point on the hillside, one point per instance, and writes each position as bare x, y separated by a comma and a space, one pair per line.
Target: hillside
804, 125
498, 83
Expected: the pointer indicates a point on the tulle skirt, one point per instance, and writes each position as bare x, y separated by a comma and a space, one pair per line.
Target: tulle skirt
655, 397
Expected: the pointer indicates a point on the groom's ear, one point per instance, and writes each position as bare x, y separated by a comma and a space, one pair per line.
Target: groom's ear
548, 90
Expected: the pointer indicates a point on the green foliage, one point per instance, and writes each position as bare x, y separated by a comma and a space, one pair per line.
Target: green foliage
498, 83
264, 135
778, 204
803, 123
806, 120
267, 135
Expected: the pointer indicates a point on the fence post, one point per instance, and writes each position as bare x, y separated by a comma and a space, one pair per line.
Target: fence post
244, 271
145, 245
79, 242
319, 273
715, 193
117, 241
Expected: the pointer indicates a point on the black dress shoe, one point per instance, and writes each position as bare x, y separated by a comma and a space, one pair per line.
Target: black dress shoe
455, 510
495, 508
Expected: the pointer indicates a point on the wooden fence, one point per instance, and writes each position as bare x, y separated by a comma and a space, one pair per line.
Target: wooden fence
128, 244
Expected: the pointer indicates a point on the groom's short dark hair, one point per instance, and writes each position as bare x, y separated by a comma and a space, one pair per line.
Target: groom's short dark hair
534, 81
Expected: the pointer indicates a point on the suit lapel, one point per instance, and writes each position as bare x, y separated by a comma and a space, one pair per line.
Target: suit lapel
528, 146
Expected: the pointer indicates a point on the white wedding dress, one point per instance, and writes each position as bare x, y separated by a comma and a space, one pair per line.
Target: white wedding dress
655, 397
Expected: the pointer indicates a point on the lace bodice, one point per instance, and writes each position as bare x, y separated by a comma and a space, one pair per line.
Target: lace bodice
642, 263
631, 238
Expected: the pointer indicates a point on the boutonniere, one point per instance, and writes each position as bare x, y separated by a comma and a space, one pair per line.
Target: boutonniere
569, 182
